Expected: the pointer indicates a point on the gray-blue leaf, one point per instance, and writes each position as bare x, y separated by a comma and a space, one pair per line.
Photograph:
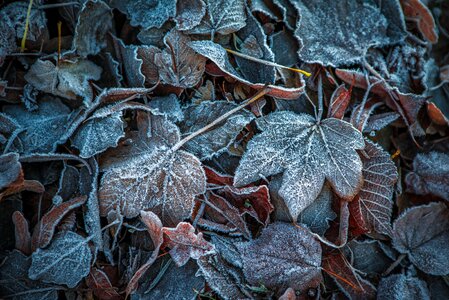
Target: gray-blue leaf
65, 261
402, 287
96, 135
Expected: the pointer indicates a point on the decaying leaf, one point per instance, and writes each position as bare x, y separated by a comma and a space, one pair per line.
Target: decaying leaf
340, 32
425, 241
423, 17
178, 64
430, 175
22, 233
307, 152
374, 203
283, 256
185, 244
217, 140
66, 261
66, 79
153, 176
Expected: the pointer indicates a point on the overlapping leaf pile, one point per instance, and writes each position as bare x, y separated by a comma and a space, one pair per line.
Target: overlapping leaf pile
171, 149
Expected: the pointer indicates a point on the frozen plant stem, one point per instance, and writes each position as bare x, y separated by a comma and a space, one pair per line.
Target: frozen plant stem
259, 95
27, 24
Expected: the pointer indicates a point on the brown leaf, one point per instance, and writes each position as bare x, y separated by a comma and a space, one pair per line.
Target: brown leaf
100, 284
185, 244
419, 12
22, 234
339, 102
45, 228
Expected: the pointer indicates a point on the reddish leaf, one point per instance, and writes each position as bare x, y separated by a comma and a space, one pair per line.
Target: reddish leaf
339, 102
99, 282
288, 295
213, 177
416, 10
351, 284
154, 227
22, 234
185, 244
45, 228
436, 115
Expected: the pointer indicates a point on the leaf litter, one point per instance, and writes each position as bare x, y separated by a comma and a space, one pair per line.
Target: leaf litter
210, 149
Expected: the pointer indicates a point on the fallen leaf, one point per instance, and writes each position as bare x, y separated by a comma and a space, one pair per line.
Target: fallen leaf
401, 286
422, 15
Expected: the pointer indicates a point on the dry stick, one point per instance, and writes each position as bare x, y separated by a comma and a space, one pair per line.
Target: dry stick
268, 63
259, 95
27, 24
394, 265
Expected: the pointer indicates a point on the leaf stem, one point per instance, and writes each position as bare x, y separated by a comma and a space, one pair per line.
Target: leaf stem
268, 63
256, 97
394, 265
27, 24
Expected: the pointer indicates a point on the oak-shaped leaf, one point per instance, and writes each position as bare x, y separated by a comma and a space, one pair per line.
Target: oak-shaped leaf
282, 256
144, 173
430, 175
374, 204
94, 22
178, 64
308, 152
223, 17
10, 169
401, 287
185, 244
41, 129
15, 284
96, 135
422, 232
340, 32
66, 261
218, 55
66, 79
217, 140
45, 228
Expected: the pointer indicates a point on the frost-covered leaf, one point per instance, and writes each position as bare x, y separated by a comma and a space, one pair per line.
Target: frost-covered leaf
45, 228
68, 182
10, 169
98, 281
222, 278
368, 256
339, 33
402, 287
169, 106
374, 203
65, 261
185, 244
430, 175
96, 135
217, 140
178, 64
422, 232
420, 13
222, 16
41, 129
219, 56
149, 175
94, 22
308, 153
150, 13
21, 233
16, 285
283, 256
67, 79
318, 214
189, 14
131, 63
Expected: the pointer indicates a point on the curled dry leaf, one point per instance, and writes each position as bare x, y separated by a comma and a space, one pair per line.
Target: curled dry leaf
425, 242
308, 152
185, 244
430, 175
45, 228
